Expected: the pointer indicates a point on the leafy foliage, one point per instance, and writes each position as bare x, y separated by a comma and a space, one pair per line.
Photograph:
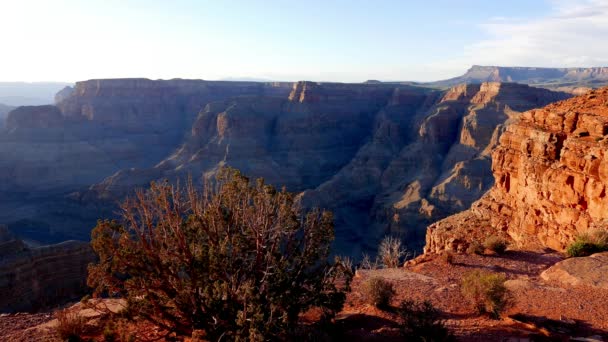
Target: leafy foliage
420, 321
378, 292
237, 260
487, 292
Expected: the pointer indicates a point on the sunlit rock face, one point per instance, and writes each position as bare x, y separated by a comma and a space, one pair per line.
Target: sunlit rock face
550, 179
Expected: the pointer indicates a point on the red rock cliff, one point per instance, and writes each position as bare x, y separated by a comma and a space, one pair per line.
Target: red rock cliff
551, 175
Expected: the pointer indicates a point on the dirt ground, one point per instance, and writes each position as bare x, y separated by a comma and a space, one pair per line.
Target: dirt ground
542, 311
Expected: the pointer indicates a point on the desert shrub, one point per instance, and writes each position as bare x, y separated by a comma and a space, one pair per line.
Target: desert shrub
496, 244
236, 259
475, 248
378, 292
70, 325
447, 257
420, 321
585, 244
367, 263
487, 292
391, 252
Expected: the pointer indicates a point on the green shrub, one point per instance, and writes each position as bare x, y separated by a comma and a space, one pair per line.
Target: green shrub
585, 244
495, 244
391, 252
378, 292
487, 292
237, 260
420, 321
475, 248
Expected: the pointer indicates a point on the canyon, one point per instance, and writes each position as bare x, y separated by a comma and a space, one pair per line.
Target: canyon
472, 161
385, 158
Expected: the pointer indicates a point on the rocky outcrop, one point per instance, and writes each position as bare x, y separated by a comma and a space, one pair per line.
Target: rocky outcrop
550, 180
588, 271
31, 278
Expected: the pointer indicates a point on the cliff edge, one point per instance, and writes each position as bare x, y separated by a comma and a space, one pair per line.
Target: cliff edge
550, 175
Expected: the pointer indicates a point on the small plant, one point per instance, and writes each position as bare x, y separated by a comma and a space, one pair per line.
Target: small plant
367, 263
420, 321
70, 325
447, 257
378, 292
391, 252
487, 292
589, 243
495, 244
109, 332
475, 248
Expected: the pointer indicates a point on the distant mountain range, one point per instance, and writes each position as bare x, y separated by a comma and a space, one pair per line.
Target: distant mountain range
29, 94
552, 78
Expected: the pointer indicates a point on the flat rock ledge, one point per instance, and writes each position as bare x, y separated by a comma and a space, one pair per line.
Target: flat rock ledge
588, 271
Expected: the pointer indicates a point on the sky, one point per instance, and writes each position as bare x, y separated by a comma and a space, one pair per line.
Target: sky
318, 40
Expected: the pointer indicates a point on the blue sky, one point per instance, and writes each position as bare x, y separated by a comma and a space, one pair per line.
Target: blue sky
349, 41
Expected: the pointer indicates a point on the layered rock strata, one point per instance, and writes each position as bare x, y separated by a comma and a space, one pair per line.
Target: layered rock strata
550, 177
386, 158
32, 278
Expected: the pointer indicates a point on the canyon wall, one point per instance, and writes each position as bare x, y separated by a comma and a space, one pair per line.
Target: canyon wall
386, 158
33, 278
550, 180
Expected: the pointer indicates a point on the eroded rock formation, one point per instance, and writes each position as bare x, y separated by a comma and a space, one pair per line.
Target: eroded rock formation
386, 158
550, 180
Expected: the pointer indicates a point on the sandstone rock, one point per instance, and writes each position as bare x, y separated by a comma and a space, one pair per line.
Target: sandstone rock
589, 271
549, 179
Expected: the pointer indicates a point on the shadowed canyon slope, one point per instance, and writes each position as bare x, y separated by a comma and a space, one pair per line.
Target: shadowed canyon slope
385, 158
551, 178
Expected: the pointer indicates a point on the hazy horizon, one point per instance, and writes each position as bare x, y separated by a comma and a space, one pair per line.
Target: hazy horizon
340, 41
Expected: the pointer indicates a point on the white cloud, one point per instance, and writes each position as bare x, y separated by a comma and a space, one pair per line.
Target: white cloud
574, 34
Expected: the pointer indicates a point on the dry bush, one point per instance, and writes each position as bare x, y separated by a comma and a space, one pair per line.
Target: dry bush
420, 321
585, 244
475, 248
70, 325
367, 263
378, 292
237, 259
495, 244
447, 257
391, 252
487, 292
